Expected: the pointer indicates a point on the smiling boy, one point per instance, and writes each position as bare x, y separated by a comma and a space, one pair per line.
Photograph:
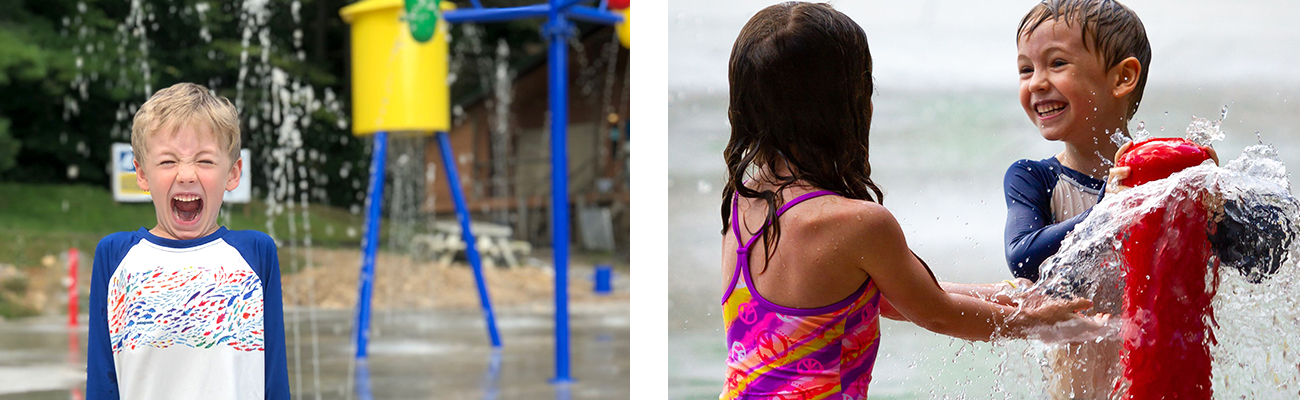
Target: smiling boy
1083, 67
187, 309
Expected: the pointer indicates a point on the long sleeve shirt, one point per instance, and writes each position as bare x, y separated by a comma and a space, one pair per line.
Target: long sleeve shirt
1045, 200
174, 319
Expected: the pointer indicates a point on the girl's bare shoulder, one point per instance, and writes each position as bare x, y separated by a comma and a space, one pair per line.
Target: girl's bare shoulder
851, 218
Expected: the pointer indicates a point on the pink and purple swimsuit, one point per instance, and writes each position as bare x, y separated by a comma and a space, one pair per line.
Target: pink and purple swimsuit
793, 353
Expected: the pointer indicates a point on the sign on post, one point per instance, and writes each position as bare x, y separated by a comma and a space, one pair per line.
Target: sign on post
126, 191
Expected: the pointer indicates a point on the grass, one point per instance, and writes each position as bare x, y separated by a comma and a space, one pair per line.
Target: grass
40, 220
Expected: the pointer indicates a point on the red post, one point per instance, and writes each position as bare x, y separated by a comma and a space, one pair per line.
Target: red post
74, 350
1168, 319
1171, 281
73, 310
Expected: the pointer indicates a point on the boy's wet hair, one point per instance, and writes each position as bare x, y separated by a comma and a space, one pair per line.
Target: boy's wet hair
186, 103
800, 92
1111, 30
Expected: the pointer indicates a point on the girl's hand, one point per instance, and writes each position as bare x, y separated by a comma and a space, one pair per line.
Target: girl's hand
1011, 292
1039, 309
1078, 330
1054, 320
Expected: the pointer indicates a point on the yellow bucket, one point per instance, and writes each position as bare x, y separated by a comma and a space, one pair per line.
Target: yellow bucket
624, 29
398, 85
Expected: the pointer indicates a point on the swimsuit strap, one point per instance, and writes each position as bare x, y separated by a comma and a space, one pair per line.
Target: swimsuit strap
742, 250
735, 211
742, 253
779, 213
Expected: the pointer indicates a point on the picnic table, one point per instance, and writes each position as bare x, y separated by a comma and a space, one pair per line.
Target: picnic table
493, 243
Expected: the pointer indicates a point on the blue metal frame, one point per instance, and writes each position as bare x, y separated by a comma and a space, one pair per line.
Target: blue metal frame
362, 378
557, 30
471, 251
370, 244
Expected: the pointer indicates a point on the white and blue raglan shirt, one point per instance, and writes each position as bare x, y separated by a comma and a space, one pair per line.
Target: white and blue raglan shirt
182, 319
1045, 200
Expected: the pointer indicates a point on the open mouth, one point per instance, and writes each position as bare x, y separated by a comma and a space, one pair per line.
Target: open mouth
1049, 109
187, 207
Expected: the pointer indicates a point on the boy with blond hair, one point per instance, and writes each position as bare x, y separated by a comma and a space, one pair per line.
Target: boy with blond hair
1083, 67
187, 309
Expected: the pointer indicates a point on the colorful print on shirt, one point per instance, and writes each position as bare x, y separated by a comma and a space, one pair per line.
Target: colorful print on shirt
194, 307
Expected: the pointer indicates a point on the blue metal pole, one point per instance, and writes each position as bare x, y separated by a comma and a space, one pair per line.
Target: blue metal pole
370, 244
567, 9
559, 30
492, 377
462, 214
363, 381
481, 15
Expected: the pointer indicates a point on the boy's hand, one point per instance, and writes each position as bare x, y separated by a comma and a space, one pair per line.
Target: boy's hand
1212, 153
1118, 174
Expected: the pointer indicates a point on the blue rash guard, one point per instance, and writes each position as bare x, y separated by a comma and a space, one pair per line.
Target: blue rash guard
1045, 200
176, 319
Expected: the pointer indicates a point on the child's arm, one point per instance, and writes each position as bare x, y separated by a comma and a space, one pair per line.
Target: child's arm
101, 373
1030, 236
911, 289
277, 365
994, 292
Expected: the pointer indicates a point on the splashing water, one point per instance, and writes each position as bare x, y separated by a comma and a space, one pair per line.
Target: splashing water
1217, 245
1119, 139
1204, 132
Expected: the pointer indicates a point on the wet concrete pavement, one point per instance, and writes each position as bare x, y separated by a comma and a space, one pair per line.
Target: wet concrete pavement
426, 354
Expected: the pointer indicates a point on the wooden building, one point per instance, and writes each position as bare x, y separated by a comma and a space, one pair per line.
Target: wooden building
502, 150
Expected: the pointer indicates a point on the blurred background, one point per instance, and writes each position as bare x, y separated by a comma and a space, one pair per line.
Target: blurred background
947, 125
74, 72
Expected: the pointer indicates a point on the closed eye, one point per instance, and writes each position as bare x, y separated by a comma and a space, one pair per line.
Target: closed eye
1058, 62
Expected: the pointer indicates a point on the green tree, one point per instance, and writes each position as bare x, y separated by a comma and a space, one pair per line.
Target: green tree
73, 72
8, 147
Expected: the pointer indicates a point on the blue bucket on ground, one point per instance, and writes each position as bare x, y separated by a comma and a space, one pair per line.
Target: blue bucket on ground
603, 274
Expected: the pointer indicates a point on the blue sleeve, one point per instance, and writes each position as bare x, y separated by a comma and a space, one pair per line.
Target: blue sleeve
101, 373
1030, 237
277, 364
